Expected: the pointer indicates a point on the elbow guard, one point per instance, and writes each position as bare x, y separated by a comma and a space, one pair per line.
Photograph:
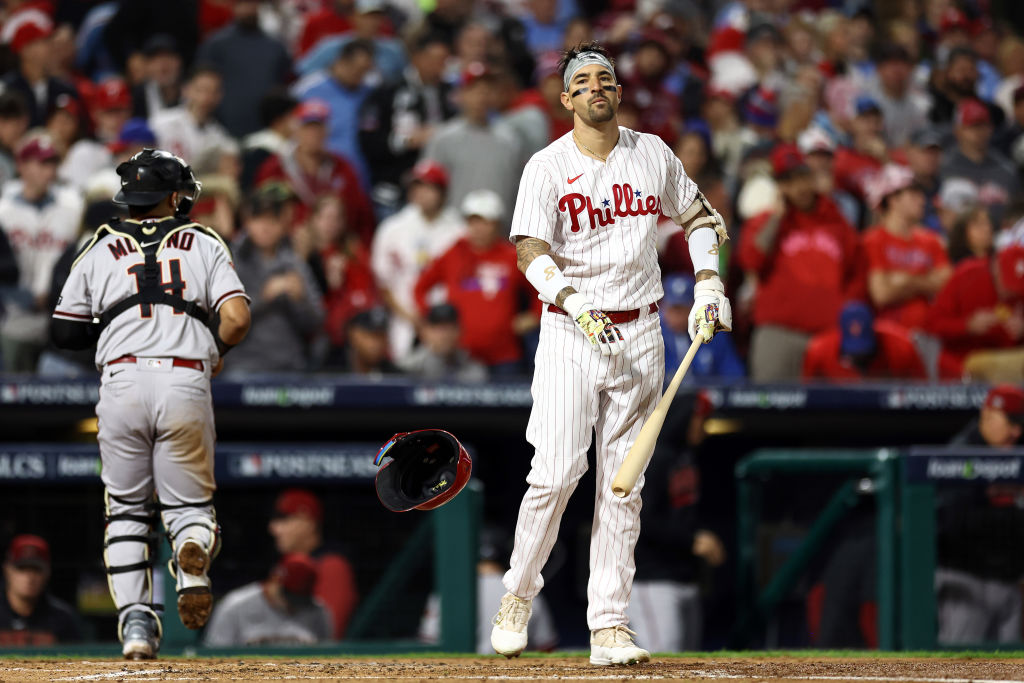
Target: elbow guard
74, 335
702, 215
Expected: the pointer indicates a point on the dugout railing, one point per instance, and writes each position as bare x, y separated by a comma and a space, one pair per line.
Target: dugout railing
903, 484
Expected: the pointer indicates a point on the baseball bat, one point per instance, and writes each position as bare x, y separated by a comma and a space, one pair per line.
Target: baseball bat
643, 447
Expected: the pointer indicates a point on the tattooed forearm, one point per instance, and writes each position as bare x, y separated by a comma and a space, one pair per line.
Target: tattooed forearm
563, 294
529, 248
704, 275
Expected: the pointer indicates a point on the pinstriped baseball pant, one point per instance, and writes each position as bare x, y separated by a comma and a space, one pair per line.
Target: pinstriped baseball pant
577, 392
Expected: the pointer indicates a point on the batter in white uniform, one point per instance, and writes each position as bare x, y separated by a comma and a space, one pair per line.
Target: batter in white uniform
160, 298
585, 232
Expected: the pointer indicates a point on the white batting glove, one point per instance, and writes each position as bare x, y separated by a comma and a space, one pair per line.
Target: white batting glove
595, 325
711, 310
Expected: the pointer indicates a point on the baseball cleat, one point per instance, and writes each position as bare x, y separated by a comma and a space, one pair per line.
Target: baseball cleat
508, 637
140, 636
195, 601
615, 645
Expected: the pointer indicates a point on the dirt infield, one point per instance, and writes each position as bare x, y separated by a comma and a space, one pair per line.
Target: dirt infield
888, 669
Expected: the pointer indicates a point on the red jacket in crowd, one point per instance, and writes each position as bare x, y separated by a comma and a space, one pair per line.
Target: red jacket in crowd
971, 289
853, 169
895, 356
351, 288
334, 177
811, 270
919, 254
486, 288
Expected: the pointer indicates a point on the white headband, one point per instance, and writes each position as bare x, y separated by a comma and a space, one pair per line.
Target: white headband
585, 59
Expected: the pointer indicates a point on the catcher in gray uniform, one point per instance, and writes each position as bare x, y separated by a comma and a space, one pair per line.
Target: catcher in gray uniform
159, 296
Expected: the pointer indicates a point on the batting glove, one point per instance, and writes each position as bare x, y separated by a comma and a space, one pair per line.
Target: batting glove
711, 310
595, 325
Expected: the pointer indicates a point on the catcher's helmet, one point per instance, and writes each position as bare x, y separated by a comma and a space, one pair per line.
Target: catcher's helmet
427, 468
151, 175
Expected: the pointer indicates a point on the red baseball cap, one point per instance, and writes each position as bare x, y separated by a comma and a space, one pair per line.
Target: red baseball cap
953, 19
298, 502
39, 148
890, 180
28, 550
30, 30
1007, 398
428, 171
111, 94
296, 573
972, 112
787, 158
1010, 262
313, 111
473, 72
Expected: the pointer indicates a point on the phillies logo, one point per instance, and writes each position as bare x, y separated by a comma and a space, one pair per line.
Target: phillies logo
625, 202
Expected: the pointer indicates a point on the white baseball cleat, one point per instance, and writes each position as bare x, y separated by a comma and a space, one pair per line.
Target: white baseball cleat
195, 601
508, 637
615, 645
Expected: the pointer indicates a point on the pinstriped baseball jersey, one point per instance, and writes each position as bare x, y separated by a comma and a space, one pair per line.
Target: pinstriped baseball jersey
601, 218
111, 270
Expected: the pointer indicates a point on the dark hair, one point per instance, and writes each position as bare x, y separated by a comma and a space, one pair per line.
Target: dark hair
351, 48
13, 105
959, 249
139, 211
960, 52
428, 38
204, 69
275, 105
572, 53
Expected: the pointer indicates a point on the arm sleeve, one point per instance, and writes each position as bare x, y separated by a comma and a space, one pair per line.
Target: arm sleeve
749, 254
431, 276
679, 191
945, 320
536, 213
8, 263
307, 313
223, 282
75, 300
872, 250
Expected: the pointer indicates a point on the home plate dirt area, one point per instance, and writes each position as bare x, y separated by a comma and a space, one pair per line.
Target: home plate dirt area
686, 667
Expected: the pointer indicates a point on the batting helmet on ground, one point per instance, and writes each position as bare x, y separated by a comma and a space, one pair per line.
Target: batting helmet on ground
428, 468
151, 175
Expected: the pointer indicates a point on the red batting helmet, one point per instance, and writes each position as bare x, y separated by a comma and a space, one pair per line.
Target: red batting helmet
428, 468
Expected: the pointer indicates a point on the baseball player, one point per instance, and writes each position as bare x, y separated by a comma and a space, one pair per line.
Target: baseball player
585, 233
159, 296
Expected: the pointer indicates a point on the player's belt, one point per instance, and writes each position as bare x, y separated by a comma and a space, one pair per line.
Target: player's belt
617, 317
177, 362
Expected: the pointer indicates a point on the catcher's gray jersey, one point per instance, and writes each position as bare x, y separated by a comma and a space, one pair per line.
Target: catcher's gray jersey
194, 264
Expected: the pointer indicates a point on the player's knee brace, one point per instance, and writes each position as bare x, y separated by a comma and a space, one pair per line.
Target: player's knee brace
129, 547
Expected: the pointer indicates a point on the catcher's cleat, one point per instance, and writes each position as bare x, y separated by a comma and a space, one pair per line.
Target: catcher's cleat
508, 637
195, 601
140, 635
615, 645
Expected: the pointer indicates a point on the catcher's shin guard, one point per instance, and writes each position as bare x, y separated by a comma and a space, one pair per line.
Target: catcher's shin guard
129, 546
195, 541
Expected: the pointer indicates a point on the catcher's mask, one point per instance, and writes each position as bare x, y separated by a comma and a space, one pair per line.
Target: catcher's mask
428, 468
151, 175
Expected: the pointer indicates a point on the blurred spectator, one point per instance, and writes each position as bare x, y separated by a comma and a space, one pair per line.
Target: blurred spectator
481, 279
438, 356
549, 86
956, 195
250, 61
971, 235
955, 83
296, 527
329, 18
493, 557
980, 529
819, 150
904, 110
161, 88
761, 116
665, 605
857, 163
276, 109
973, 159
409, 241
982, 308
717, 359
1012, 139
369, 21
14, 120
190, 128
906, 264
29, 37
40, 219
477, 155
64, 123
399, 119
286, 308
111, 109
343, 90
862, 348
803, 243
218, 205
312, 171
29, 616
523, 112
278, 611
659, 110
341, 265
367, 350
137, 22
924, 155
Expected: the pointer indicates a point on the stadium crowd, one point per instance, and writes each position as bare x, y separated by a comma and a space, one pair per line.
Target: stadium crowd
363, 157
